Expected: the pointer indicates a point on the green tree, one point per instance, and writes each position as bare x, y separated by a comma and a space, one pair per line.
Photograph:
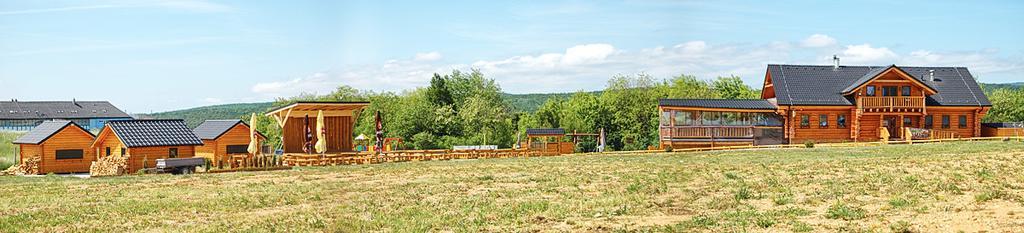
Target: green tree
732, 87
688, 86
633, 100
1007, 105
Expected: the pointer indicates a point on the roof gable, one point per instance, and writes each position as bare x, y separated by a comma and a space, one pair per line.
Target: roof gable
144, 133
876, 73
47, 129
824, 85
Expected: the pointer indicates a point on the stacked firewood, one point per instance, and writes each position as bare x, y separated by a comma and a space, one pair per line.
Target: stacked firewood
109, 166
29, 166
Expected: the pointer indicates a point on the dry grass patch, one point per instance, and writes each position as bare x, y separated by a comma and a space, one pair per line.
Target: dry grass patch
919, 188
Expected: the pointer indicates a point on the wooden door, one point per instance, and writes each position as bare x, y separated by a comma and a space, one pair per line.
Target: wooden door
891, 124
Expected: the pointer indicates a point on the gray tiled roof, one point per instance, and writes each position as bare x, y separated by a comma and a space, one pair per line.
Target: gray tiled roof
822, 85
59, 110
44, 131
872, 74
142, 133
544, 131
719, 103
212, 129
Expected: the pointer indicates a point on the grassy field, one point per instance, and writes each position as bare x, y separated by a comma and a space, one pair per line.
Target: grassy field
8, 151
946, 187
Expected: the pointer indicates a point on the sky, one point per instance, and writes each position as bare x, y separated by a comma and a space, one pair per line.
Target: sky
157, 55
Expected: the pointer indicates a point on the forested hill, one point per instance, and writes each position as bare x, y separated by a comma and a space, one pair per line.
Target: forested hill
992, 86
196, 116
530, 102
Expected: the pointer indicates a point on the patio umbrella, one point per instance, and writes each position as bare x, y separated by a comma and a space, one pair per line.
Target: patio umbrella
321, 139
254, 144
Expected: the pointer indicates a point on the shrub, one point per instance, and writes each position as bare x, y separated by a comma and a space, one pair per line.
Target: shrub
744, 193
809, 144
764, 221
845, 212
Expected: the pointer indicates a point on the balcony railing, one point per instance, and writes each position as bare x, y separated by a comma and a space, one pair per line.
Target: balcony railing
892, 103
711, 132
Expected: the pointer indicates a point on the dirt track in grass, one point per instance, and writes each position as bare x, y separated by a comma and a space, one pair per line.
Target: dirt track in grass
946, 187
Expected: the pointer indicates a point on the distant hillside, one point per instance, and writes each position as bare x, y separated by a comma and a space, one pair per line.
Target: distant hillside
993, 86
196, 116
530, 102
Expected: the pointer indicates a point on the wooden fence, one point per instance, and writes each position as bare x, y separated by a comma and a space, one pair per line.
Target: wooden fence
405, 155
427, 155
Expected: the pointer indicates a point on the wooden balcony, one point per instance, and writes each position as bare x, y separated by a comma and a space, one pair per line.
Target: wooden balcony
707, 132
891, 104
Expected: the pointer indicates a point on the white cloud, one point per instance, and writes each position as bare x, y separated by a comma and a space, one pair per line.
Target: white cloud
864, 54
431, 56
818, 41
581, 54
589, 66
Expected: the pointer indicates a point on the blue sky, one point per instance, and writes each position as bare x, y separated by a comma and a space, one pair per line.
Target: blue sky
157, 55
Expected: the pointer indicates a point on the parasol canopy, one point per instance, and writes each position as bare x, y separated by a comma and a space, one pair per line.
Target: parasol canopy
254, 144
321, 139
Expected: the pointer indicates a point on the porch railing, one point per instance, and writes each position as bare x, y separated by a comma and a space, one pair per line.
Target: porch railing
892, 102
708, 132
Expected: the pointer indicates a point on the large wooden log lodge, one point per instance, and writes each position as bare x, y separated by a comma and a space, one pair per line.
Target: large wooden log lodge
801, 103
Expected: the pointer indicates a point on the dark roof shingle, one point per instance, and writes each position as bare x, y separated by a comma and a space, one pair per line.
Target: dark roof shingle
544, 131
143, 133
719, 103
213, 129
44, 131
59, 110
823, 85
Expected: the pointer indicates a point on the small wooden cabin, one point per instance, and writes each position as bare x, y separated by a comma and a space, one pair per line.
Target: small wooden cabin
548, 140
223, 139
299, 119
144, 141
63, 146
1002, 129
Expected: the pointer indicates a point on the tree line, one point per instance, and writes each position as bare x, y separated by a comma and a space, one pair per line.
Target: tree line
468, 108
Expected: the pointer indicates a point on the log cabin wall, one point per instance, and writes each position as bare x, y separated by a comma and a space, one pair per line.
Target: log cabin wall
148, 155
108, 141
209, 151
29, 150
217, 149
973, 127
815, 132
69, 138
869, 128
339, 133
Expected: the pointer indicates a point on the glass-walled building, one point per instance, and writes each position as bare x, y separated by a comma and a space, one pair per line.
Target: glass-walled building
686, 123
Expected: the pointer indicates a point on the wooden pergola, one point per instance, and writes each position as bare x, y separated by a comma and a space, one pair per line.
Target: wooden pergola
298, 118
